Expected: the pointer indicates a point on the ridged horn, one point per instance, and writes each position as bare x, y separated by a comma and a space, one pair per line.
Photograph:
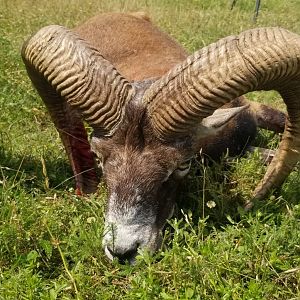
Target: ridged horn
71, 77
257, 59
58, 61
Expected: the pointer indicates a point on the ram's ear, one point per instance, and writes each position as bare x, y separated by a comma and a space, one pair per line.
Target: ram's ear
218, 120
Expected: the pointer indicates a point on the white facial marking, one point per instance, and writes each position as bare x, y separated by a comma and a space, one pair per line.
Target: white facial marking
128, 228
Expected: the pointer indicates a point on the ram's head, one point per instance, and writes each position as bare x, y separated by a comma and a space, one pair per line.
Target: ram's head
145, 132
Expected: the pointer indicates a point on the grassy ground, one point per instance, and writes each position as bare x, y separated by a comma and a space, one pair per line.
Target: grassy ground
50, 240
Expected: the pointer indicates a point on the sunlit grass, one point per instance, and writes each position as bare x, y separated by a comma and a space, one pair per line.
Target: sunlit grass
50, 239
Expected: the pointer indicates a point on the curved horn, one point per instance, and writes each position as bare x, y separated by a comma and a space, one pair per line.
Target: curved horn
72, 76
258, 59
58, 61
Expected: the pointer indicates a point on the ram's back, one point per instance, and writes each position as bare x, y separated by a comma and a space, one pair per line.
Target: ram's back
137, 48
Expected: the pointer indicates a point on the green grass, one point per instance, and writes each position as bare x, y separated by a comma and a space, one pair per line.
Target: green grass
50, 240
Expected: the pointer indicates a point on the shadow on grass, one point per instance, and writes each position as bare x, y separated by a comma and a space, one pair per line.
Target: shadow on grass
207, 193
214, 193
35, 174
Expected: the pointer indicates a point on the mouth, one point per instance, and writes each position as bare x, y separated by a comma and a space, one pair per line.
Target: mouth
128, 258
124, 243
108, 254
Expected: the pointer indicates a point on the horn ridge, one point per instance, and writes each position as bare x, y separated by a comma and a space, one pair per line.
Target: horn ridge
72, 77
257, 59
78, 73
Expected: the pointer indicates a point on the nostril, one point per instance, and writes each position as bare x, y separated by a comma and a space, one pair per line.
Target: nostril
123, 255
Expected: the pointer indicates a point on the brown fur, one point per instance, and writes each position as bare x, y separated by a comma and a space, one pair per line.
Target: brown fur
132, 44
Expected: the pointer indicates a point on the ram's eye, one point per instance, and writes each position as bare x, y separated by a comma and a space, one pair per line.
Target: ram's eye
183, 169
99, 161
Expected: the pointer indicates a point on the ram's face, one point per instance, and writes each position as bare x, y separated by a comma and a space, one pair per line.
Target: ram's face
141, 177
